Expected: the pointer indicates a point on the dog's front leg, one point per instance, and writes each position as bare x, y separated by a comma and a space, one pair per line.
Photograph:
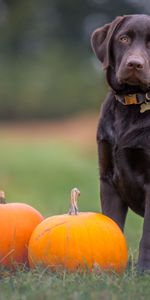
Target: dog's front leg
144, 249
112, 204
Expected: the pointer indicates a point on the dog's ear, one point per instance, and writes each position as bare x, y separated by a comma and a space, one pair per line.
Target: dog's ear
101, 40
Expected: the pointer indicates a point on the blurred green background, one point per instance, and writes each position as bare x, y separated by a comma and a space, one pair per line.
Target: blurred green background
49, 75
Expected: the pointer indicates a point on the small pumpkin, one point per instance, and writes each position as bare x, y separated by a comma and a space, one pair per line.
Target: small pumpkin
17, 221
78, 240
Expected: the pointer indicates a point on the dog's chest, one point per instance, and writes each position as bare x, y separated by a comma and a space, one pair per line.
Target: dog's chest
127, 132
131, 153
132, 128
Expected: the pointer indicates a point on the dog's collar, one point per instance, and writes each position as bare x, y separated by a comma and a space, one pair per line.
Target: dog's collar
133, 98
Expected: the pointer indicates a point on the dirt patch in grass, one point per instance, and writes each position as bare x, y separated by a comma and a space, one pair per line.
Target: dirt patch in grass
80, 130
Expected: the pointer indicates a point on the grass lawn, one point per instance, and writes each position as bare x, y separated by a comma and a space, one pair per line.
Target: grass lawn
42, 172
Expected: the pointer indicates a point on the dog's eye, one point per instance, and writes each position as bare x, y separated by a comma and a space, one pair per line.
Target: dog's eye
124, 39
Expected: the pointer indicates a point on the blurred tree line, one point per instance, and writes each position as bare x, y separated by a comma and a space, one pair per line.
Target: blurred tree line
47, 69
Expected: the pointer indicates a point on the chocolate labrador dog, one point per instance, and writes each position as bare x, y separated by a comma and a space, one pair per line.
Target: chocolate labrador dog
123, 134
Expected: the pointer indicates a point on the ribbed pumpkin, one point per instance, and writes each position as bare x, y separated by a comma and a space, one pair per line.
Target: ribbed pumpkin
78, 240
17, 221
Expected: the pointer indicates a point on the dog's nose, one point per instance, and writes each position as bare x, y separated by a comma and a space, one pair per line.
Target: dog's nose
135, 63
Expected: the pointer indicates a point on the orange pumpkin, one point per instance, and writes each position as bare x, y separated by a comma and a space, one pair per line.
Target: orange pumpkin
78, 240
17, 221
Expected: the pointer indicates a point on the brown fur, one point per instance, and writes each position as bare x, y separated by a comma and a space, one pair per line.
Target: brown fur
123, 134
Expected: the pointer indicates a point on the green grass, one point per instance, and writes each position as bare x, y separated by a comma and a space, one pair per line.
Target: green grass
42, 174
42, 286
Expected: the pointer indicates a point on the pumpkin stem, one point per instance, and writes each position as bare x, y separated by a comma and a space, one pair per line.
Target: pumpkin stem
2, 197
75, 193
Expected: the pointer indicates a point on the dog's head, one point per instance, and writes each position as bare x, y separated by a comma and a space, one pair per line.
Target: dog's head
123, 47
